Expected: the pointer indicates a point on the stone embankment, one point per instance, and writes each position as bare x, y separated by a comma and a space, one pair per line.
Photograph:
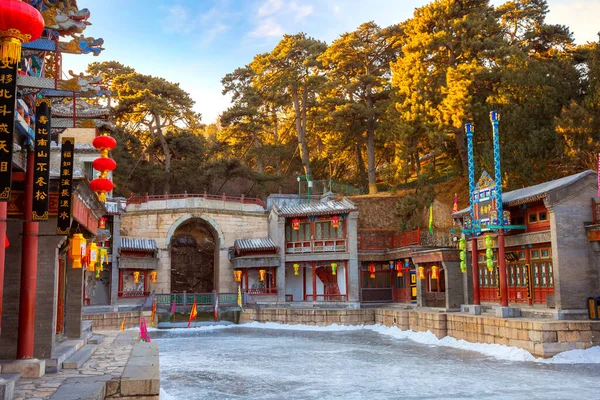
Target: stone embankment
542, 338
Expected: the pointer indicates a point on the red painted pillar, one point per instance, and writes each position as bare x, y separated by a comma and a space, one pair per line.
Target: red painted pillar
3, 206
314, 280
475, 271
29, 259
502, 265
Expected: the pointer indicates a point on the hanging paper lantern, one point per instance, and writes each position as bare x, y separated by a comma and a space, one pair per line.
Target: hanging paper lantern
463, 266
153, 276
262, 273
136, 276
103, 258
102, 223
434, 272
333, 269
335, 221
237, 274
97, 273
490, 265
19, 23
296, 268
296, 224
406, 263
101, 186
78, 249
421, 271
92, 257
104, 165
398, 269
372, 271
391, 265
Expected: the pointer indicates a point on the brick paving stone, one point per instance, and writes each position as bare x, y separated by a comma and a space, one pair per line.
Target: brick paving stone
109, 360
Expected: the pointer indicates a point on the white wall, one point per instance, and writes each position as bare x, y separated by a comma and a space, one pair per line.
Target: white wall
293, 283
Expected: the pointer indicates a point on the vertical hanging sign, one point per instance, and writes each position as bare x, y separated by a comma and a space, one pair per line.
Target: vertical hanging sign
65, 188
41, 174
8, 100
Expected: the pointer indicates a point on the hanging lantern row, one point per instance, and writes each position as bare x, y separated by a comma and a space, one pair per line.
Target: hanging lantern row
435, 272
372, 271
153, 276
334, 269
296, 268
489, 252
462, 246
262, 273
19, 23
104, 165
237, 274
90, 256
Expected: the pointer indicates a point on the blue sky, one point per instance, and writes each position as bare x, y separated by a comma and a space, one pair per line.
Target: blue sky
197, 42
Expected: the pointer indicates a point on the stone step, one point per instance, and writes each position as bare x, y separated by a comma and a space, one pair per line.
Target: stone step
80, 357
84, 388
95, 339
86, 330
62, 351
7, 385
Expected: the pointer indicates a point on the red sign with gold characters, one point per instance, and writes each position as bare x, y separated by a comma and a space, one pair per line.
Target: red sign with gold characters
8, 101
41, 173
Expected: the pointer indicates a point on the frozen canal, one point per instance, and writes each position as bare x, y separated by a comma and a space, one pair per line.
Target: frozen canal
256, 363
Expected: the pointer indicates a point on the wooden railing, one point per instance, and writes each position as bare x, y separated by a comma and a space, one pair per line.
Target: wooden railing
386, 240
202, 299
260, 291
377, 295
316, 246
234, 199
326, 297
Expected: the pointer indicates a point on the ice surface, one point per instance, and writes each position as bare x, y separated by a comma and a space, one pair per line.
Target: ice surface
273, 361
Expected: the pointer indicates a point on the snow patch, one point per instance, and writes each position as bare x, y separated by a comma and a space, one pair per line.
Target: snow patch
165, 396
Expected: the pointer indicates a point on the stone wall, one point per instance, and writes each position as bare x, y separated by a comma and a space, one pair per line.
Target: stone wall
542, 339
112, 321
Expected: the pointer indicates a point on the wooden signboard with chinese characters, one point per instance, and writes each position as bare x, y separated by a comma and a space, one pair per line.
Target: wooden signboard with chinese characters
41, 173
65, 188
8, 100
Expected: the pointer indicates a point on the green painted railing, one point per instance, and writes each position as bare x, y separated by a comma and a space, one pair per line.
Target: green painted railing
202, 299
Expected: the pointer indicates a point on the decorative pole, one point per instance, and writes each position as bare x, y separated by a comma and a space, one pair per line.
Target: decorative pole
495, 118
469, 128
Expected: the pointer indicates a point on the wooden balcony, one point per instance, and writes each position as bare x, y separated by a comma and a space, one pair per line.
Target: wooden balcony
317, 246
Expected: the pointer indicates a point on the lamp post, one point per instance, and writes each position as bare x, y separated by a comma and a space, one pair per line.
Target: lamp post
469, 128
495, 119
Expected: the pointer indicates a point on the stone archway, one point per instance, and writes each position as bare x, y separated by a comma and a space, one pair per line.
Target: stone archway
194, 246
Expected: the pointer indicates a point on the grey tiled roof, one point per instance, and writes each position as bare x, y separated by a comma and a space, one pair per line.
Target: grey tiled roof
317, 208
135, 244
256, 244
536, 192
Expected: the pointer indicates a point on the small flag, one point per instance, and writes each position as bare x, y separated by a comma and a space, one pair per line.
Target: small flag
173, 308
193, 313
145, 336
431, 218
455, 207
123, 324
216, 307
239, 299
153, 318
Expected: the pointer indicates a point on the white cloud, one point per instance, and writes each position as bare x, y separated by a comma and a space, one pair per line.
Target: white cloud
300, 12
267, 28
177, 20
207, 25
269, 7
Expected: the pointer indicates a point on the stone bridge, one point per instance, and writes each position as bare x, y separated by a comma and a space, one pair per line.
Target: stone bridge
163, 218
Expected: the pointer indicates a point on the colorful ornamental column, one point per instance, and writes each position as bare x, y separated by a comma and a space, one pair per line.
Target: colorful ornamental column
104, 165
19, 23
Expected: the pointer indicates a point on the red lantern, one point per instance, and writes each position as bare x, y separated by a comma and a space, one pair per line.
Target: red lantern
104, 164
399, 269
101, 186
19, 23
372, 270
335, 221
104, 142
296, 224
102, 223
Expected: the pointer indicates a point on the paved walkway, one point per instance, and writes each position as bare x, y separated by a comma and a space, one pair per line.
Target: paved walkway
109, 361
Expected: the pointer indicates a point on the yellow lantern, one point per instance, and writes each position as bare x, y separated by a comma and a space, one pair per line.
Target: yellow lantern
262, 273
334, 269
153, 276
296, 268
92, 257
136, 276
237, 274
434, 272
421, 271
103, 258
78, 249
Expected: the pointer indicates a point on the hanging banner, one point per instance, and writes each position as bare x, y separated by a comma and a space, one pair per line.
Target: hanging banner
8, 100
65, 188
41, 174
